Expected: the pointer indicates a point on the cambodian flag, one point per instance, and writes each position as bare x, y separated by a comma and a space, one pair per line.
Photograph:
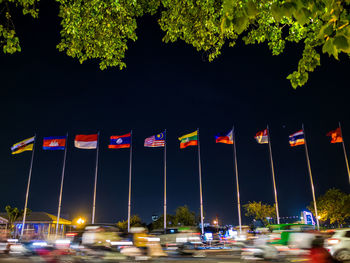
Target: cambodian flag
297, 138
120, 141
54, 143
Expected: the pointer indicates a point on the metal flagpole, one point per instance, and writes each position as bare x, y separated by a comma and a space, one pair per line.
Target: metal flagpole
95, 184
28, 186
311, 180
165, 181
61, 188
130, 167
237, 182
200, 182
345, 155
273, 176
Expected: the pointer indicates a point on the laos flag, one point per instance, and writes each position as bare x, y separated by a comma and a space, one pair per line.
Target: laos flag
120, 141
54, 143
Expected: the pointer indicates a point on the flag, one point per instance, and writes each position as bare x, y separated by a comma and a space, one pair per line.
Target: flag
25, 145
297, 138
120, 141
157, 140
190, 139
225, 137
335, 135
86, 141
262, 137
54, 143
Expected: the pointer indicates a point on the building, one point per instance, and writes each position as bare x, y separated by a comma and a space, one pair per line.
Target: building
38, 225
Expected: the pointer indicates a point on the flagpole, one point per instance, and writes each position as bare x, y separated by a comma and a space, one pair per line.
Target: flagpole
345, 155
200, 182
165, 181
273, 176
95, 184
130, 167
28, 186
237, 182
311, 180
61, 188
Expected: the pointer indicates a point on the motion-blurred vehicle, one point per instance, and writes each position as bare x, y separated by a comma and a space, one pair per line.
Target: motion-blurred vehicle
339, 245
177, 236
100, 235
297, 236
181, 240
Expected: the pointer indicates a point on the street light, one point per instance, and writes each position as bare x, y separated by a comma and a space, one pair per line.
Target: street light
80, 221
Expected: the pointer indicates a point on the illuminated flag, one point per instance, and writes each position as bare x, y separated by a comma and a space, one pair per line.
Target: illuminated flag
86, 141
335, 136
120, 141
297, 138
262, 137
190, 139
25, 145
226, 138
157, 140
54, 143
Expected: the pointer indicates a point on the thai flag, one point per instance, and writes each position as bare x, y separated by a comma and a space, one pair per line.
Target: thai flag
54, 143
83, 141
297, 138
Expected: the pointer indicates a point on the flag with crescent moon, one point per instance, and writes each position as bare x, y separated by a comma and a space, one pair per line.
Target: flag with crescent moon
157, 140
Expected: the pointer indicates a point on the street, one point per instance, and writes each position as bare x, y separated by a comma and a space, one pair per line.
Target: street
212, 258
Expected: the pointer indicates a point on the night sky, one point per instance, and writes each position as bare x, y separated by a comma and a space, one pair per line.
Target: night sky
168, 86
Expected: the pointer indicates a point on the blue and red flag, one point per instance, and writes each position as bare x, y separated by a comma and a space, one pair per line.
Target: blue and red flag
226, 137
120, 141
297, 138
54, 143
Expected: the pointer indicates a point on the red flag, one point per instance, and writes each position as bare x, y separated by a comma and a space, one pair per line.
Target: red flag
335, 135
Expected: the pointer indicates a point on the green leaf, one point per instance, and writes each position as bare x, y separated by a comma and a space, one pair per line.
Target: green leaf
342, 43
329, 48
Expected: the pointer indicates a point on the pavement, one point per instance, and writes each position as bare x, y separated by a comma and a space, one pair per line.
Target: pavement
208, 259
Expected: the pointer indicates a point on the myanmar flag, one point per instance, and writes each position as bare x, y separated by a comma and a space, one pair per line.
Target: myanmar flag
190, 139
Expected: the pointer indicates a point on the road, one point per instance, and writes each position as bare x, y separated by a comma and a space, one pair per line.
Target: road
209, 259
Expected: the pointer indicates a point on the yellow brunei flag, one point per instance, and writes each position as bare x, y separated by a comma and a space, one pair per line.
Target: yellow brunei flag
25, 145
190, 139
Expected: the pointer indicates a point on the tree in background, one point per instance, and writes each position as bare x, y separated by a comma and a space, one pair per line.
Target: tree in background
13, 214
183, 217
135, 221
333, 206
102, 29
159, 223
260, 211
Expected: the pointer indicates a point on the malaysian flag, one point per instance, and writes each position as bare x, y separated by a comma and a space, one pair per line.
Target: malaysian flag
157, 140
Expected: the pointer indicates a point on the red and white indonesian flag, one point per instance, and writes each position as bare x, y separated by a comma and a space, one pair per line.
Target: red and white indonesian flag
262, 137
86, 141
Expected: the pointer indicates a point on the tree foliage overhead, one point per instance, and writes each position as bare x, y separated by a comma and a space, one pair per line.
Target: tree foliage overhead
260, 211
102, 29
8, 39
333, 206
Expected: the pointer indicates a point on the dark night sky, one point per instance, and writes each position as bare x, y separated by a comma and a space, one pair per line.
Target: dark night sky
167, 86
